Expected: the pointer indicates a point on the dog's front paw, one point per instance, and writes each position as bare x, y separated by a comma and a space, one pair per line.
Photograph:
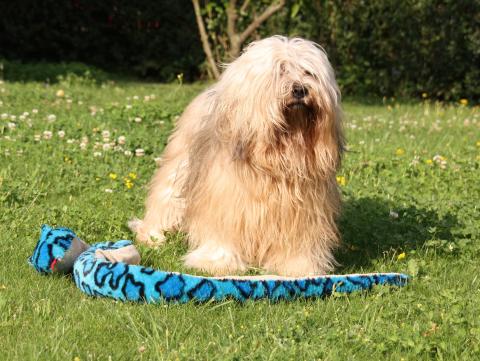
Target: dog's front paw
300, 266
216, 260
149, 237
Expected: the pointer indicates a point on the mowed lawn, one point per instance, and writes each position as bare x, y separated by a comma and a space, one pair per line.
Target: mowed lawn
80, 155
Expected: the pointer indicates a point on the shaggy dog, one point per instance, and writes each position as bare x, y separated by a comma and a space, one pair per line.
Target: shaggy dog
249, 172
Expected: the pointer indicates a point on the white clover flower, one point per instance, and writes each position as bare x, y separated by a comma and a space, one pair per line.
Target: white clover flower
4, 116
415, 161
34, 111
47, 134
135, 97
69, 101
128, 106
26, 114
105, 134
21, 117
108, 190
85, 139
106, 146
80, 102
70, 141
393, 214
13, 117
139, 152
11, 125
137, 120
61, 133
121, 140
52, 118
127, 153
37, 137
146, 98
97, 154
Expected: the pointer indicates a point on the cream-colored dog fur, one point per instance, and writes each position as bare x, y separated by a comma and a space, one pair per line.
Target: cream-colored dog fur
249, 172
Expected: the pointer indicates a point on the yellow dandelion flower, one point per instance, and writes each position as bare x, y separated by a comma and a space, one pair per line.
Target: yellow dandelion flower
429, 161
401, 256
463, 101
60, 93
132, 175
400, 151
424, 95
341, 180
478, 143
113, 176
128, 183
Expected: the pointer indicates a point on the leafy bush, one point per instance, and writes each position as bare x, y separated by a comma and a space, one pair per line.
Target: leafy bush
427, 48
149, 39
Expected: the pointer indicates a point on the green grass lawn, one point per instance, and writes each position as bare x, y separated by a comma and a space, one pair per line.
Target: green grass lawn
411, 187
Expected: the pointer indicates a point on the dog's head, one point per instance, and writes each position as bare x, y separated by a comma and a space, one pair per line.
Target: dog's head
281, 97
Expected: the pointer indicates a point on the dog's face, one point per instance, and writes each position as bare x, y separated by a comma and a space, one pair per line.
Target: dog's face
279, 95
298, 97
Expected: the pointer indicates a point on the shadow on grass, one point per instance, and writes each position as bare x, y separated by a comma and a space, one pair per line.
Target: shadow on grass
51, 73
369, 230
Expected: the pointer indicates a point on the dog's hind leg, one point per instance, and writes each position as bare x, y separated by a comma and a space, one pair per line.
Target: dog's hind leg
164, 205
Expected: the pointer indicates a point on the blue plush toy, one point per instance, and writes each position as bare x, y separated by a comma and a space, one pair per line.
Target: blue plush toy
111, 269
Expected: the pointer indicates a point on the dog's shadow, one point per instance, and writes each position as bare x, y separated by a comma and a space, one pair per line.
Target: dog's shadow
370, 229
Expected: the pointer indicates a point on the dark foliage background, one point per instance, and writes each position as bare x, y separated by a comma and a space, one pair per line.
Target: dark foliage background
388, 47
393, 47
155, 39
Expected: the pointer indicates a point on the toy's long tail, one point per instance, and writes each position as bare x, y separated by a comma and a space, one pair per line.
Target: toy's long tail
97, 273
99, 277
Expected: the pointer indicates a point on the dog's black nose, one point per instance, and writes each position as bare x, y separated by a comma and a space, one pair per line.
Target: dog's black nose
299, 92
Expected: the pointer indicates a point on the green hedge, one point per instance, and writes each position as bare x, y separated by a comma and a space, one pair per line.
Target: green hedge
156, 39
388, 47
392, 47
